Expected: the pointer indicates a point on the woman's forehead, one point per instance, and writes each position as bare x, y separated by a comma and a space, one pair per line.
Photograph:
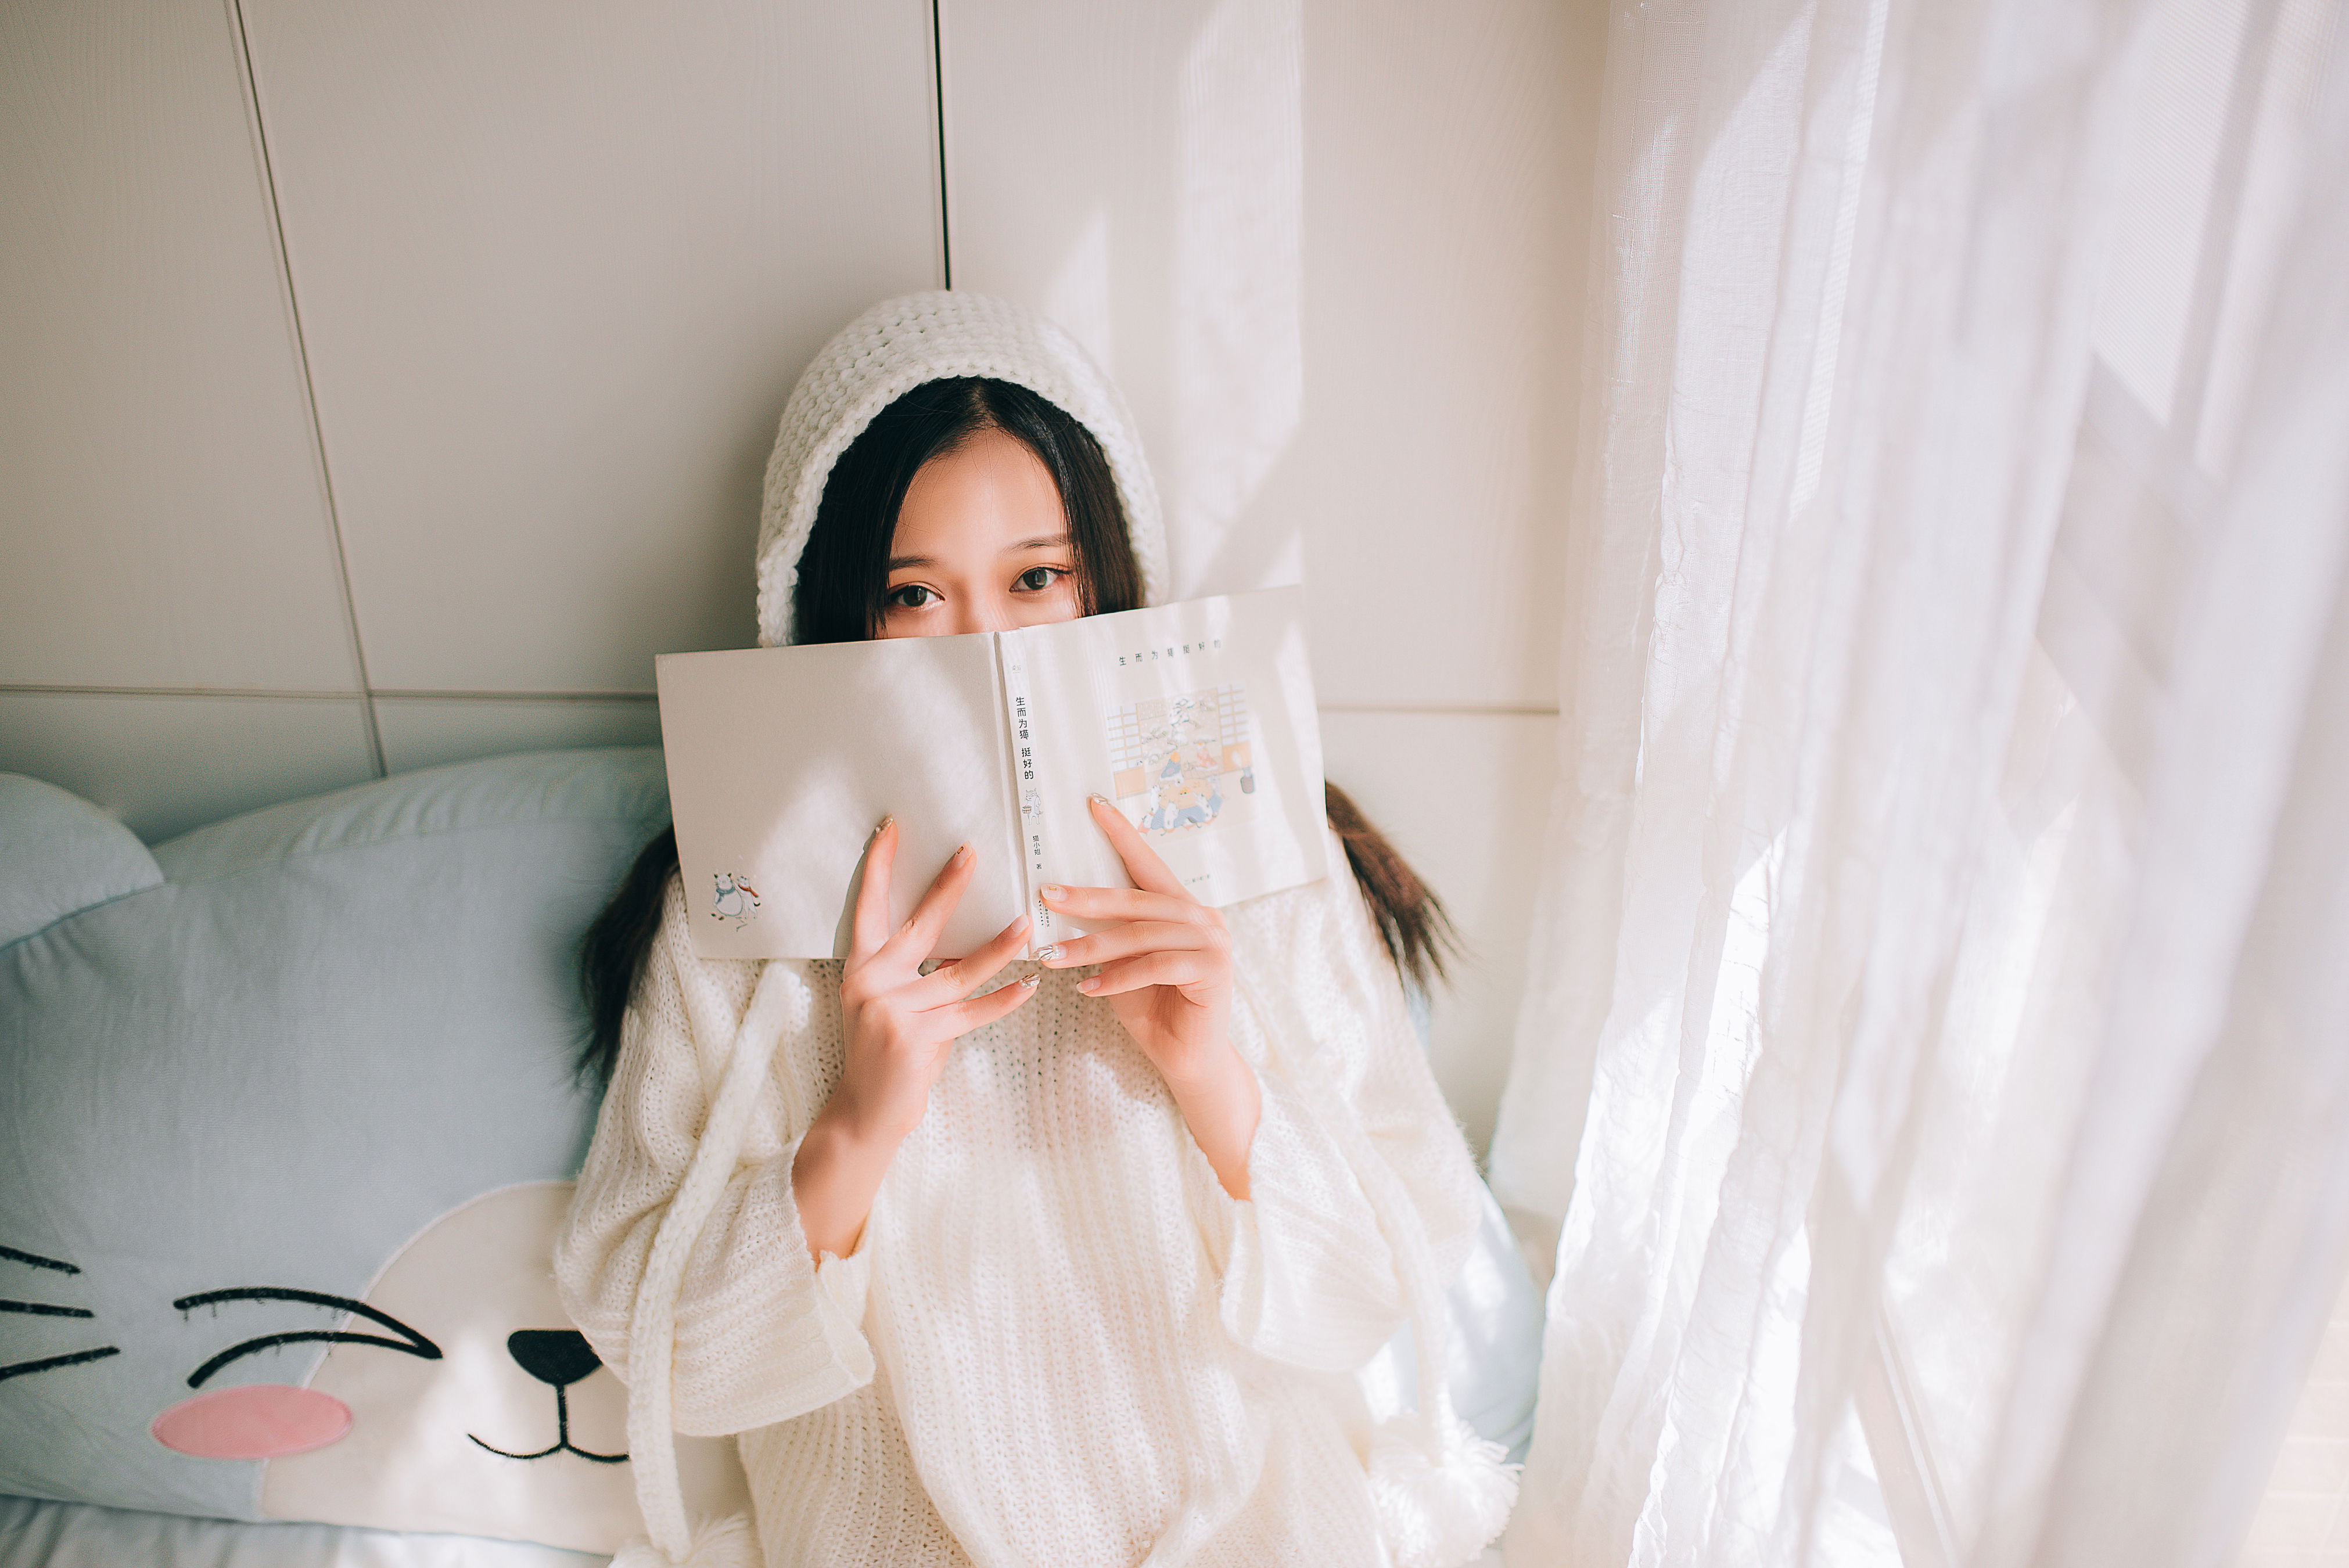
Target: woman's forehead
990, 496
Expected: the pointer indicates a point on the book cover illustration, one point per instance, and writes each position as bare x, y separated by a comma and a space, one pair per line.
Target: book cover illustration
1181, 763
733, 898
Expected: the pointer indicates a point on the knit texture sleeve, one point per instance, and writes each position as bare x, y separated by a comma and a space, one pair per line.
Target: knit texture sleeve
762, 1336
1310, 1273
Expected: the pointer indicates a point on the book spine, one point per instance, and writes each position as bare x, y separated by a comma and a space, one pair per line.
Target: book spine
1027, 783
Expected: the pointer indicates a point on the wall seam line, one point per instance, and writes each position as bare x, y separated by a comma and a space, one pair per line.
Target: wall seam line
401, 693
241, 694
309, 393
938, 98
333, 693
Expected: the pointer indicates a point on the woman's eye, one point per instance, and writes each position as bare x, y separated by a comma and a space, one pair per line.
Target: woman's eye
912, 596
1036, 579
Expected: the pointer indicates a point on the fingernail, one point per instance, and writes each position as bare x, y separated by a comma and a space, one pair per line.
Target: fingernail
1046, 953
1098, 799
1054, 893
1032, 980
1090, 985
886, 824
962, 854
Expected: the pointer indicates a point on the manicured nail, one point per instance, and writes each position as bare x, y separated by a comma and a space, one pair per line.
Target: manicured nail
1098, 799
1048, 952
962, 854
886, 824
1090, 985
1054, 893
1031, 981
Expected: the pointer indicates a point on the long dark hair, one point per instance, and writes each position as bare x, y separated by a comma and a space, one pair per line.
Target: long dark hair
844, 574
842, 588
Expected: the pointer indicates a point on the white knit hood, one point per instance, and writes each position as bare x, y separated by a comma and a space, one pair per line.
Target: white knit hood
897, 346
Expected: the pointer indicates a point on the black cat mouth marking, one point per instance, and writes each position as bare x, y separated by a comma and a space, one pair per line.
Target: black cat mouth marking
410, 1343
46, 1309
557, 1358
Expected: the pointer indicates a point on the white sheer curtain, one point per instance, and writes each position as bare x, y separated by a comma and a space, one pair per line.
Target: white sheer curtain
1944, 950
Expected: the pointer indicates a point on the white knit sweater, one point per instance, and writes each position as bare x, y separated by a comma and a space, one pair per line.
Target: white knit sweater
1060, 1341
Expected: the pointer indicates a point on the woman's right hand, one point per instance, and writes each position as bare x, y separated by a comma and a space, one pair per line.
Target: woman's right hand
899, 1025
899, 1022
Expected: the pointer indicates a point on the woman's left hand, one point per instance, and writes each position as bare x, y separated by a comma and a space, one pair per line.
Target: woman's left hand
1166, 970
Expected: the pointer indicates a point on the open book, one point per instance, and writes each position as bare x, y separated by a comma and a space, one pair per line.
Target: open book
1197, 719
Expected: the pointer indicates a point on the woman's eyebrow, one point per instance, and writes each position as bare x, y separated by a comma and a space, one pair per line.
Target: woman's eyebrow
1041, 542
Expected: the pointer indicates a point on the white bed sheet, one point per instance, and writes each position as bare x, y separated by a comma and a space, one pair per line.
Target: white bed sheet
36, 1534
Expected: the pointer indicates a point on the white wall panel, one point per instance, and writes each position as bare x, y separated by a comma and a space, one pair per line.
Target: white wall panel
164, 764
1332, 251
425, 732
1461, 796
162, 517
558, 268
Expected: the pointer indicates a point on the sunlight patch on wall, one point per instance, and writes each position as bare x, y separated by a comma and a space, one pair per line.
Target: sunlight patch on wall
1239, 341
1077, 297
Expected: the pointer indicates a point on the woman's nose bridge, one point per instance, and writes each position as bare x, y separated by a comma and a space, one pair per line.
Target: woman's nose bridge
984, 612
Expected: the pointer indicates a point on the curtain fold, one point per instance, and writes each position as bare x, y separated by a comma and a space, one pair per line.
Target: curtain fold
1940, 943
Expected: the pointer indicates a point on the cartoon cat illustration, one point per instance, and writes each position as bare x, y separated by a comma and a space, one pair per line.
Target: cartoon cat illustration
736, 899
1191, 803
455, 1397
520, 1423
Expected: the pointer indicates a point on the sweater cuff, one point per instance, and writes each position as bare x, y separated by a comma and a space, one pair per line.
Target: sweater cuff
844, 1281
787, 1340
1308, 1276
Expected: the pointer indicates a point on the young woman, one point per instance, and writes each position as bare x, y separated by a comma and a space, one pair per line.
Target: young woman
1000, 1263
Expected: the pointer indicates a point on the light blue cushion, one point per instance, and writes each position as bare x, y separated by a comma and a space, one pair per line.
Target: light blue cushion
323, 1025
58, 854
1495, 1317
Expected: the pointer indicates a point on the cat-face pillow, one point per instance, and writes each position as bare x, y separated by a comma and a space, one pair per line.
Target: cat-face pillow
285, 1120
454, 1397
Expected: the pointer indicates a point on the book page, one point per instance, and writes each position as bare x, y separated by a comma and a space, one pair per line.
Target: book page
782, 761
1197, 720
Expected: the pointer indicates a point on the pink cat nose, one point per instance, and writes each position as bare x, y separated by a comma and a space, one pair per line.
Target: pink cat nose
258, 1422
